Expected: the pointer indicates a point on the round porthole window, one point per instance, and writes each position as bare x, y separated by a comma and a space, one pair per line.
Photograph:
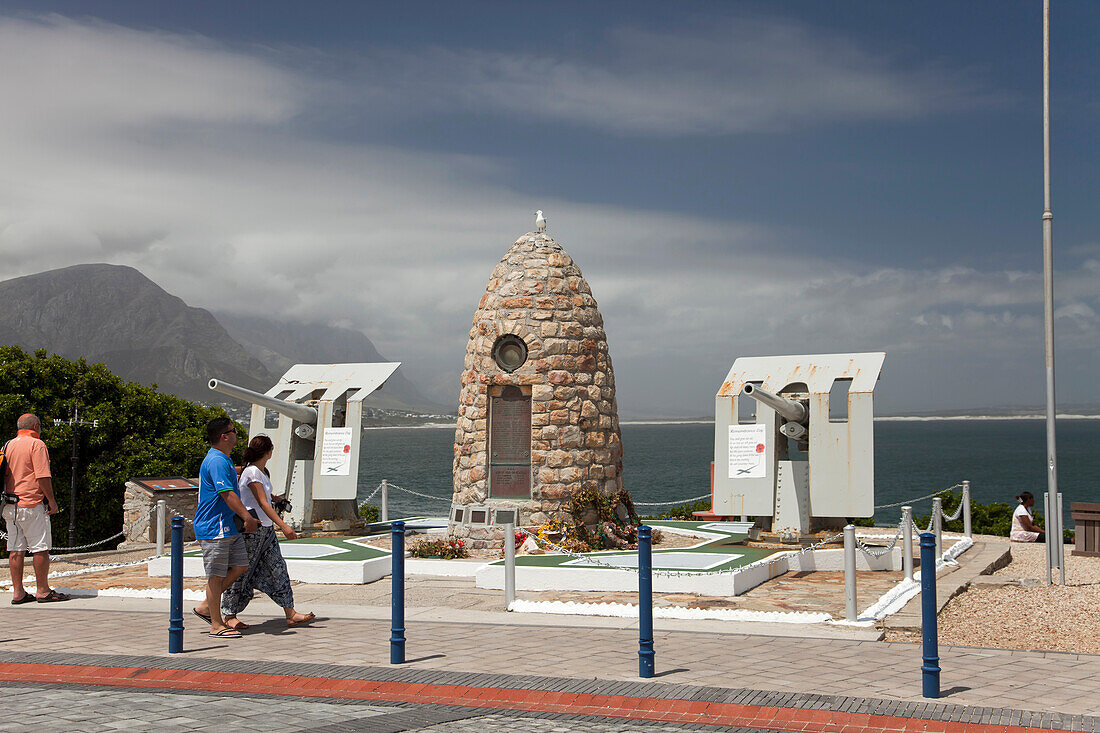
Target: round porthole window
509, 352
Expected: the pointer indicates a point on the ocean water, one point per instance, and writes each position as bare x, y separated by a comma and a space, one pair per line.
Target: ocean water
671, 462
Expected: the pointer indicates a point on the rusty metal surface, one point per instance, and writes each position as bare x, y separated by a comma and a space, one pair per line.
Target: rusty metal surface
817, 371
333, 380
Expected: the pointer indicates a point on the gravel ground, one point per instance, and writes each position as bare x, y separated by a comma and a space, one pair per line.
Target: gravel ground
1056, 618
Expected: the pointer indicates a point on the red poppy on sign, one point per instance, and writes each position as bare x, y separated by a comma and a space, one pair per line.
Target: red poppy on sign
759, 447
347, 449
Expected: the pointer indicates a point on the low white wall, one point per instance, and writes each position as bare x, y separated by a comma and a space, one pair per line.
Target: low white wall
346, 572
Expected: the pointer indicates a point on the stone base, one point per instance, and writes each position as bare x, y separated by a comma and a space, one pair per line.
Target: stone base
478, 538
139, 516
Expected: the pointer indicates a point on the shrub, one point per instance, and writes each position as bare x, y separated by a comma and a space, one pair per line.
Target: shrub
369, 512
684, 511
992, 519
448, 549
141, 432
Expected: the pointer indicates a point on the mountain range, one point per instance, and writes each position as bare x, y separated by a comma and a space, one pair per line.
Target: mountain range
116, 315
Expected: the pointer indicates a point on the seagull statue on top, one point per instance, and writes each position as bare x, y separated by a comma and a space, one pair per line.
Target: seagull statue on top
540, 221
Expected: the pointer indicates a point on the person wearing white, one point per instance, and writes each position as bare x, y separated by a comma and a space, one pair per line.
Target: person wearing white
253, 474
1024, 528
266, 567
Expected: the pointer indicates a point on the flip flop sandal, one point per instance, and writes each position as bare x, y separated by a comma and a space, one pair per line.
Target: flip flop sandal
54, 597
27, 598
203, 616
309, 617
240, 626
226, 633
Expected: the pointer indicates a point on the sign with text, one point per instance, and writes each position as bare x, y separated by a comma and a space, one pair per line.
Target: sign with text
747, 450
336, 452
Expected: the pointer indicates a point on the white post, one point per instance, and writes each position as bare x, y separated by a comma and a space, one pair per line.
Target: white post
162, 510
850, 612
384, 505
1060, 542
1049, 547
907, 541
509, 565
967, 532
937, 525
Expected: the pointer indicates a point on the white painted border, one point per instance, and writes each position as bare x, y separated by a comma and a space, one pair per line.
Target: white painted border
723, 558
627, 610
348, 572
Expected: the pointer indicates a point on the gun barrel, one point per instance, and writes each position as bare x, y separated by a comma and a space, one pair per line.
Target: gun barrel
789, 409
301, 413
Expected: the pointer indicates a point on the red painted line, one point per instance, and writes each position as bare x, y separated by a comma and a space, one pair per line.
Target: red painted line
608, 706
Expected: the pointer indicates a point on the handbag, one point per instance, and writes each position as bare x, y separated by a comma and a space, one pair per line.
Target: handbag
239, 523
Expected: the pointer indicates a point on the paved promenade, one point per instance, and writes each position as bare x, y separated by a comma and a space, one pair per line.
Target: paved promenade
473, 668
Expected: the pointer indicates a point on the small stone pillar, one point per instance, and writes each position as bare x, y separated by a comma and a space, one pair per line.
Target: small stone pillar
537, 417
142, 494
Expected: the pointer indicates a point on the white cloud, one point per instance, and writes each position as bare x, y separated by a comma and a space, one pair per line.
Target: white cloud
742, 74
173, 154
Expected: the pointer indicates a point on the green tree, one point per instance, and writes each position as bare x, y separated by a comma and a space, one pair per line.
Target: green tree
141, 432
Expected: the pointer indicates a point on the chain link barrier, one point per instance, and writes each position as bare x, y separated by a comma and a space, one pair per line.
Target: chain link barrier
919, 498
417, 493
123, 533
878, 553
671, 503
956, 515
918, 530
371, 496
448, 501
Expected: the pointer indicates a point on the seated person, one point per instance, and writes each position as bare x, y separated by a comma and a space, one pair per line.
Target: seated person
1023, 528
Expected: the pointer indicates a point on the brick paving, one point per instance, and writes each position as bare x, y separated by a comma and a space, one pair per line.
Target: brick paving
821, 591
763, 681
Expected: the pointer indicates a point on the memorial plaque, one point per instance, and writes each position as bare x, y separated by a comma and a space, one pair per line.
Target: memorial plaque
510, 444
165, 483
510, 482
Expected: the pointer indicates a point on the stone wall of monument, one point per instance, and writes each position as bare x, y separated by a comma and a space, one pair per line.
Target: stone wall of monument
538, 293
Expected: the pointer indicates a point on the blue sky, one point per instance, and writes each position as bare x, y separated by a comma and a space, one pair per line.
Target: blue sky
733, 178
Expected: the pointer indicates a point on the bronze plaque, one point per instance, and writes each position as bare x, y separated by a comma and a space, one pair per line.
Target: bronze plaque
510, 444
510, 482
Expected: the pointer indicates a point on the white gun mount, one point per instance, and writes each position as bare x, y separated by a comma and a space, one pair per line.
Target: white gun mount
791, 465
316, 456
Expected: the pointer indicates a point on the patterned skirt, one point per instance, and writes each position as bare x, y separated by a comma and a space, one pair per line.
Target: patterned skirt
266, 573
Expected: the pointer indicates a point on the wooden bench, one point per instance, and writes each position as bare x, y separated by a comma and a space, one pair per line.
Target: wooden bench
1086, 523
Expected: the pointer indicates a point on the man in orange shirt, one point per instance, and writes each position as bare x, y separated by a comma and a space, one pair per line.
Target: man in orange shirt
28, 521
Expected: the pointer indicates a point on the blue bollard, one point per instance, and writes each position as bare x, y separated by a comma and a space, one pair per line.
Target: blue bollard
397, 594
930, 670
175, 605
645, 602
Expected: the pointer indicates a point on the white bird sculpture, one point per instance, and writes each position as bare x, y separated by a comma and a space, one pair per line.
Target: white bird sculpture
540, 221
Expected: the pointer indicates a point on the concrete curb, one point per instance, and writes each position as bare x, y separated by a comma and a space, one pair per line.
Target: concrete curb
983, 558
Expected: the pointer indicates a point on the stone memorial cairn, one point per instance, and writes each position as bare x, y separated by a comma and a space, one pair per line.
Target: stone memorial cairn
538, 426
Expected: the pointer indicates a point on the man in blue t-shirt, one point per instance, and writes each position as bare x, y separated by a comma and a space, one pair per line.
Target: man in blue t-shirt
223, 551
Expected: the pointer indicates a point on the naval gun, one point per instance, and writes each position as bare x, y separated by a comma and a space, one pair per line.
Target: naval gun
301, 413
315, 461
797, 463
795, 412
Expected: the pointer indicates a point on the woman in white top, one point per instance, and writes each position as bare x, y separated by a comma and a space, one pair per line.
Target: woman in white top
1023, 528
266, 567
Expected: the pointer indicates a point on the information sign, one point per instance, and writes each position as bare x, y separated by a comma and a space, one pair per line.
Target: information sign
336, 452
748, 449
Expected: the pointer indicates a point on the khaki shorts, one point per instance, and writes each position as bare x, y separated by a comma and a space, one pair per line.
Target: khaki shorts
28, 528
221, 554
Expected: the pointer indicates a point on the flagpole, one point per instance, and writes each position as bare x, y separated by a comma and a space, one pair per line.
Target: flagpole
1048, 296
